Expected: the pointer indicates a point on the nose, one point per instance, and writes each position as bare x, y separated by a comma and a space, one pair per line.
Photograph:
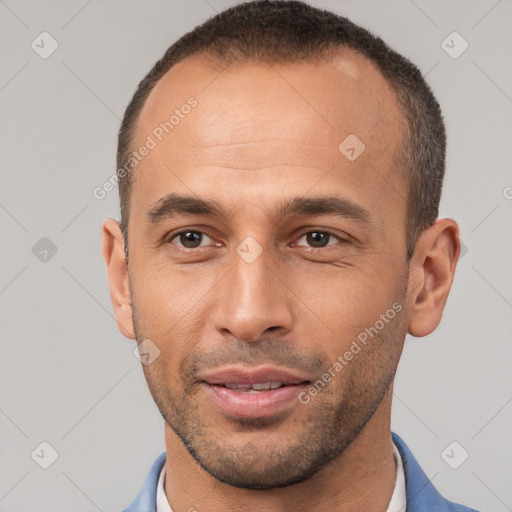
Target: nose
252, 300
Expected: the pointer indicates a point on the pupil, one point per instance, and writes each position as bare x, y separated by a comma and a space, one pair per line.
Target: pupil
317, 239
190, 239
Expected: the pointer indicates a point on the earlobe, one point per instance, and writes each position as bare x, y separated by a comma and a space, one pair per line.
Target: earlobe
117, 269
431, 275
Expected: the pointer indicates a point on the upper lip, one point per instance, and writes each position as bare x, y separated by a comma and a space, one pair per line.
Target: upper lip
246, 376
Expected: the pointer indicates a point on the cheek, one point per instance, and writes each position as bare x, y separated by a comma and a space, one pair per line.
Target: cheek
169, 294
170, 311
350, 296
353, 309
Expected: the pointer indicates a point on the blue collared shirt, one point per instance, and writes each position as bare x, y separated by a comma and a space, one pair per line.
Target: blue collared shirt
421, 494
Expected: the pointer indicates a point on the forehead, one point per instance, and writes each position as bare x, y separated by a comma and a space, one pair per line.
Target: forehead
291, 121
344, 90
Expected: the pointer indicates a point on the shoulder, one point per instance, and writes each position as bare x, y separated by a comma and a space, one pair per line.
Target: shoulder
146, 498
420, 491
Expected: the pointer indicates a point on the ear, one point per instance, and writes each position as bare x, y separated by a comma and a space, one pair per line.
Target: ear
431, 273
117, 269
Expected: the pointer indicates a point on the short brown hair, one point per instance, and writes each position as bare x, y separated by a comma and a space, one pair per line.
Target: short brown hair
290, 31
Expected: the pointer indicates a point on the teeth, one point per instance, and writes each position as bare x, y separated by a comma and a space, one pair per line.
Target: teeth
237, 386
261, 387
255, 388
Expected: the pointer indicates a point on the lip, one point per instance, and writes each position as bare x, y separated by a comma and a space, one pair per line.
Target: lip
245, 376
253, 405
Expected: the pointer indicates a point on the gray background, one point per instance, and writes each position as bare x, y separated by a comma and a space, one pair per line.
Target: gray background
69, 378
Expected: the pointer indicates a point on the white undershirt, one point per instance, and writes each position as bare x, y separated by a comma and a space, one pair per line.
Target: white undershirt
397, 504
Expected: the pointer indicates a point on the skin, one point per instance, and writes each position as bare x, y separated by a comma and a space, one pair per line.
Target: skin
262, 134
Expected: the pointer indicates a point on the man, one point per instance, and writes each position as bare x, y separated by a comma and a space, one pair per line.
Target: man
280, 171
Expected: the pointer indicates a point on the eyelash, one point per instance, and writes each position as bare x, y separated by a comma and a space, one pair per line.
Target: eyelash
323, 231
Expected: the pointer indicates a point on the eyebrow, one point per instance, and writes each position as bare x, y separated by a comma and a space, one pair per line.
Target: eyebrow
173, 205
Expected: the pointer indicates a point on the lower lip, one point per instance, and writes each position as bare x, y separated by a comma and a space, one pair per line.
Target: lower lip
254, 405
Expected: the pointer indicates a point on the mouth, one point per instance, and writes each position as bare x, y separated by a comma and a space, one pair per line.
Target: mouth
253, 393
256, 387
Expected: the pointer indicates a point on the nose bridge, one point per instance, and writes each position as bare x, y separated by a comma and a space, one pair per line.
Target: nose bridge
252, 299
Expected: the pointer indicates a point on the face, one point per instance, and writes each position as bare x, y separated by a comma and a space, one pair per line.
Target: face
260, 251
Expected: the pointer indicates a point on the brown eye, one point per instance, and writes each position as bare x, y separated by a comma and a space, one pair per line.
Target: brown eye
318, 239
189, 239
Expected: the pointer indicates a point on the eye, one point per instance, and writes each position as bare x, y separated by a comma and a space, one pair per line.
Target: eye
319, 239
190, 239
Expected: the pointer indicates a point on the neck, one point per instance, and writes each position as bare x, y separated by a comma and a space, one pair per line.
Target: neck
361, 478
